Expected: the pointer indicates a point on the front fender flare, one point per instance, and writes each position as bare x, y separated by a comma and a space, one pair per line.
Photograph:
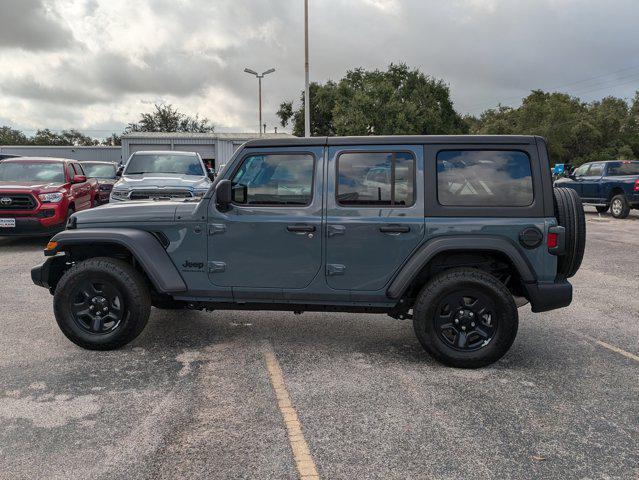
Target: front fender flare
427, 252
143, 245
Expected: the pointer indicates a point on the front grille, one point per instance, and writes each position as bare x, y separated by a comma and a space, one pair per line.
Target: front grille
151, 194
17, 201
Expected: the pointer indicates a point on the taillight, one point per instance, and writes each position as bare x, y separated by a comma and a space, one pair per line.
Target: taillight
636, 185
552, 240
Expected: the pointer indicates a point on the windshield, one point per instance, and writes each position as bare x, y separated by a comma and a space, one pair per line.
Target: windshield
164, 163
623, 168
99, 170
32, 172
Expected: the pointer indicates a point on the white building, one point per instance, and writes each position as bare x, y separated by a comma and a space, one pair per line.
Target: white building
214, 148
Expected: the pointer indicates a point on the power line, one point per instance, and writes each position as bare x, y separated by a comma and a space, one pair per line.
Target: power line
477, 106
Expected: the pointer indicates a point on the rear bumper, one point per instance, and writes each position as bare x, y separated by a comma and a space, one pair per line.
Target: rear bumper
633, 200
549, 296
31, 226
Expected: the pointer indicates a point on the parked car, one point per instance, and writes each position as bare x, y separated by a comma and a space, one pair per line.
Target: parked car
38, 195
610, 185
292, 224
162, 176
105, 176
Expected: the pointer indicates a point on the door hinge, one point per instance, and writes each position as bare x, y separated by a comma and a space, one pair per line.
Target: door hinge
217, 228
217, 267
333, 269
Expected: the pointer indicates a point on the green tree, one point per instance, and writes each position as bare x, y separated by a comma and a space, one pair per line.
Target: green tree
166, 118
576, 131
397, 101
11, 136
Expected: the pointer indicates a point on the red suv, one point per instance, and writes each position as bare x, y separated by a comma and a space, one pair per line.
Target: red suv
37, 195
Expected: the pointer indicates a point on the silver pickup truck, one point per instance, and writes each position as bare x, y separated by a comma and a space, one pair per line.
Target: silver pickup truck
161, 175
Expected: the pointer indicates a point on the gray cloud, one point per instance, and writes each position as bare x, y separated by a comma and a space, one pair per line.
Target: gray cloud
29, 25
489, 51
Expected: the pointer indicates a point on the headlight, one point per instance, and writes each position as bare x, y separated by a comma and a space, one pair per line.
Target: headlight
51, 197
199, 194
119, 193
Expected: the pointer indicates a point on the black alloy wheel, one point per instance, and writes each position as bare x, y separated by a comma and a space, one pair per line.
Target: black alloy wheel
466, 320
97, 307
102, 303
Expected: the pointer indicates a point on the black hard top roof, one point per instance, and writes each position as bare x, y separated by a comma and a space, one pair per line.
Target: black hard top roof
394, 140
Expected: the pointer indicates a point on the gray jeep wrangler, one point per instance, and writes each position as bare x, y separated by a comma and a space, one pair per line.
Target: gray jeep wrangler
453, 232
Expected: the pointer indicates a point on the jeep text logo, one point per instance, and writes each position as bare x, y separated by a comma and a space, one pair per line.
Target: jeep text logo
189, 264
6, 201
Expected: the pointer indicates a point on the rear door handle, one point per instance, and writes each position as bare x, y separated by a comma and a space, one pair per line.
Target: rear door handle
394, 229
301, 228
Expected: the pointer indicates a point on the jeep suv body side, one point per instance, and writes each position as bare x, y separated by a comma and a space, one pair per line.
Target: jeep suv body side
361, 224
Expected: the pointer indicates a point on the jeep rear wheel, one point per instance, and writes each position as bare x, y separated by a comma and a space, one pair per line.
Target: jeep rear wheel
101, 303
465, 318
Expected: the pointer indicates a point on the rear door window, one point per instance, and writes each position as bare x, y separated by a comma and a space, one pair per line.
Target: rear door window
376, 179
484, 178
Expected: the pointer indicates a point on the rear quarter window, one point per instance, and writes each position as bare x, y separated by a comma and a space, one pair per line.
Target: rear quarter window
484, 178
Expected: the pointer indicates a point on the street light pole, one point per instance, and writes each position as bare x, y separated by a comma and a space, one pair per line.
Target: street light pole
307, 103
259, 77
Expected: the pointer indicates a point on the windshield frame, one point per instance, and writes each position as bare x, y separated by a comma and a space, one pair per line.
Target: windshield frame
62, 166
189, 157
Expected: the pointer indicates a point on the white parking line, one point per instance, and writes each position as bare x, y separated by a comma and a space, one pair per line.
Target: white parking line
302, 455
618, 350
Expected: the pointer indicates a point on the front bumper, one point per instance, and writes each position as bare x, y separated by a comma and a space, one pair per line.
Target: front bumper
48, 273
31, 226
548, 296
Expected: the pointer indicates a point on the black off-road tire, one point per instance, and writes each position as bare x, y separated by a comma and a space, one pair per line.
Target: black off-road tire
569, 212
603, 209
619, 207
135, 303
460, 280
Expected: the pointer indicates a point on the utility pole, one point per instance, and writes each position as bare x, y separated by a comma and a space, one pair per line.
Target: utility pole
307, 103
259, 77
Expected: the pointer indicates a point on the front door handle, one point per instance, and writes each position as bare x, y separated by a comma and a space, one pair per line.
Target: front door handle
394, 229
301, 228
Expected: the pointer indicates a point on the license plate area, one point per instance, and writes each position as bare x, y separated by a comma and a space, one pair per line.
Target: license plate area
7, 223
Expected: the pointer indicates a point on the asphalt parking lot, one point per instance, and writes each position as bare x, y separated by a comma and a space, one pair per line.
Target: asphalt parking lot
206, 395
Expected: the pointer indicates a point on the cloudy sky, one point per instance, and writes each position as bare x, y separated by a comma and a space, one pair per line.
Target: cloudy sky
96, 64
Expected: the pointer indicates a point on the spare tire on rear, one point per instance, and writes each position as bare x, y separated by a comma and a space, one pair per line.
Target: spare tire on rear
570, 214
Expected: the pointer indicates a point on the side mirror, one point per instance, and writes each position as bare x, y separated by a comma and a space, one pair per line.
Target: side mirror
78, 179
118, 172
223, 195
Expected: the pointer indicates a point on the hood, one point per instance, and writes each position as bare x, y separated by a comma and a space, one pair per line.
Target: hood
163, 180
33, 186
138, 212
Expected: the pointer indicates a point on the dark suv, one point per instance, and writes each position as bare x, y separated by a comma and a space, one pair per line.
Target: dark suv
452, 232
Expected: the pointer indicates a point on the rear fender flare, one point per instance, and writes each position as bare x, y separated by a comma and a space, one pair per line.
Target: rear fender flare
438, 245
145, 248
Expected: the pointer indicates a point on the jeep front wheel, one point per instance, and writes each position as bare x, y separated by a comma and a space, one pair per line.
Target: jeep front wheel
465, 318
101, 303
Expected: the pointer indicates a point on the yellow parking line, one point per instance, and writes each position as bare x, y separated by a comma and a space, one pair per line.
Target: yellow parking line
302, 455
618, 350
